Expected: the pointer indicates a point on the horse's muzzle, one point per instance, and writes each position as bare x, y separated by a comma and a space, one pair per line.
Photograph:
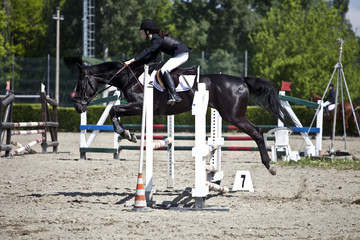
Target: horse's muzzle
79, 107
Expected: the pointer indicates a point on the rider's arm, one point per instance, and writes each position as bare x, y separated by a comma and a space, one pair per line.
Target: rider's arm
149, 52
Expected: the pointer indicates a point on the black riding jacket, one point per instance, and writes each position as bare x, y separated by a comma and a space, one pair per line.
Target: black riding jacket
331, 96
166, 44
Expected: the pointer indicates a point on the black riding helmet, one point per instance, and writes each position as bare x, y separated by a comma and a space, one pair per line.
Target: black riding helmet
148, 24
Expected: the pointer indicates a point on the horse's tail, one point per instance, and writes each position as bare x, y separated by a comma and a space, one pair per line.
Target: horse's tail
267, 97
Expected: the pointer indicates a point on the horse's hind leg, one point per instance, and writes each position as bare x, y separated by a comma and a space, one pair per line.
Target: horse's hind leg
255, 133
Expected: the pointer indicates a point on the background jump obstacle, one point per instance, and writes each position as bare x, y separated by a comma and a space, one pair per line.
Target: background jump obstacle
85, 144
49, 124
282, 134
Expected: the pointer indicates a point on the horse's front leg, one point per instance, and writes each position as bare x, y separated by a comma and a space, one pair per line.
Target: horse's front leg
128, 109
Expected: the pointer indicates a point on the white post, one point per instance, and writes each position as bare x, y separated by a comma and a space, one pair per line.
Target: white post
216, 140
83, 121
201, 150
116, 135
319, 124
170, 151
148, 87
57, 77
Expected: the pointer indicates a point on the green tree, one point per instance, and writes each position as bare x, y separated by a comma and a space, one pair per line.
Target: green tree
26, 26
118, 24
297, 45
2, 37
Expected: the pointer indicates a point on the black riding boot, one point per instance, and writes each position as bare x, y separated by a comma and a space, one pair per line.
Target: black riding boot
327, 113
173, 96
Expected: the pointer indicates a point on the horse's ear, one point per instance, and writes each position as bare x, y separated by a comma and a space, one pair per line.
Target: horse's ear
80, 67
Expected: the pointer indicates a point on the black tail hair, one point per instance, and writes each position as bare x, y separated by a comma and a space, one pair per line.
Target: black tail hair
267, 97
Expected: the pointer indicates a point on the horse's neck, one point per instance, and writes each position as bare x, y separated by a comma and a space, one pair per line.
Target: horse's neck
126, 79
316, 97
128, 82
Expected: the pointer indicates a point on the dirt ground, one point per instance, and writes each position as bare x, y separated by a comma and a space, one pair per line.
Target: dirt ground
59, 196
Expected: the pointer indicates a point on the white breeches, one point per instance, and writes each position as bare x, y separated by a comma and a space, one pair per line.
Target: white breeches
327, 103
175, 61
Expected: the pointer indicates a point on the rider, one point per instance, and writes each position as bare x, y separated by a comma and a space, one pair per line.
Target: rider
162, 41
330, 99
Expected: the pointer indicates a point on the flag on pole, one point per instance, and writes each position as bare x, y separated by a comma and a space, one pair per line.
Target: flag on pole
8, 85
285, 86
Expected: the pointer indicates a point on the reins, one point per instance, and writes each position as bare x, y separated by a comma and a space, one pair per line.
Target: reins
115, 75
87, 99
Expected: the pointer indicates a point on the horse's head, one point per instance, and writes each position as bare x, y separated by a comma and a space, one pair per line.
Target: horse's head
85, 89
314, 97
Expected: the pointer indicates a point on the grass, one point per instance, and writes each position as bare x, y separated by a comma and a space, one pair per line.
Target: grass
324, 163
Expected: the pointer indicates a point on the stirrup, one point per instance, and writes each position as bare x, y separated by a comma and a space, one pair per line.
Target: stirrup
177, 98
173, 98
171, 101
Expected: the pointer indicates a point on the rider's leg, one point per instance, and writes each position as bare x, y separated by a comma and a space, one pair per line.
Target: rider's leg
173, 96
172, 63
326, 108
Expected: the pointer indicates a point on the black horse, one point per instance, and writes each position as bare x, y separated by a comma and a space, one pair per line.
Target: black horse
227, 94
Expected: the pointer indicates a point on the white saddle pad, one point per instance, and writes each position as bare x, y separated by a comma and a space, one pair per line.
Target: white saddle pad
185, 82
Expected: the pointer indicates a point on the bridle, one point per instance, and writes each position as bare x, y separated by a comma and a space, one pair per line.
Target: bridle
85, 99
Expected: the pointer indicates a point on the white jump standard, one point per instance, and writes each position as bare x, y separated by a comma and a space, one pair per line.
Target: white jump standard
203, 180
202, 150
85, 144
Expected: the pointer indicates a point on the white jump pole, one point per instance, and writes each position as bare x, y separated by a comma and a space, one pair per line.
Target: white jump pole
149, 99
27, 132
162, 143
170, 152
147, 121
215, 139
19, 145
29, 124
201, 149
217, 187
319, 124
27, 146
140, 198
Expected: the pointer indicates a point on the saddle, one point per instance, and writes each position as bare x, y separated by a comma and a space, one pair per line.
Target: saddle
175, 74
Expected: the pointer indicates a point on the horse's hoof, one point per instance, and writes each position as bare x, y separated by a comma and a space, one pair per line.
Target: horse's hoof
133, 138
272, 170
129, 136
